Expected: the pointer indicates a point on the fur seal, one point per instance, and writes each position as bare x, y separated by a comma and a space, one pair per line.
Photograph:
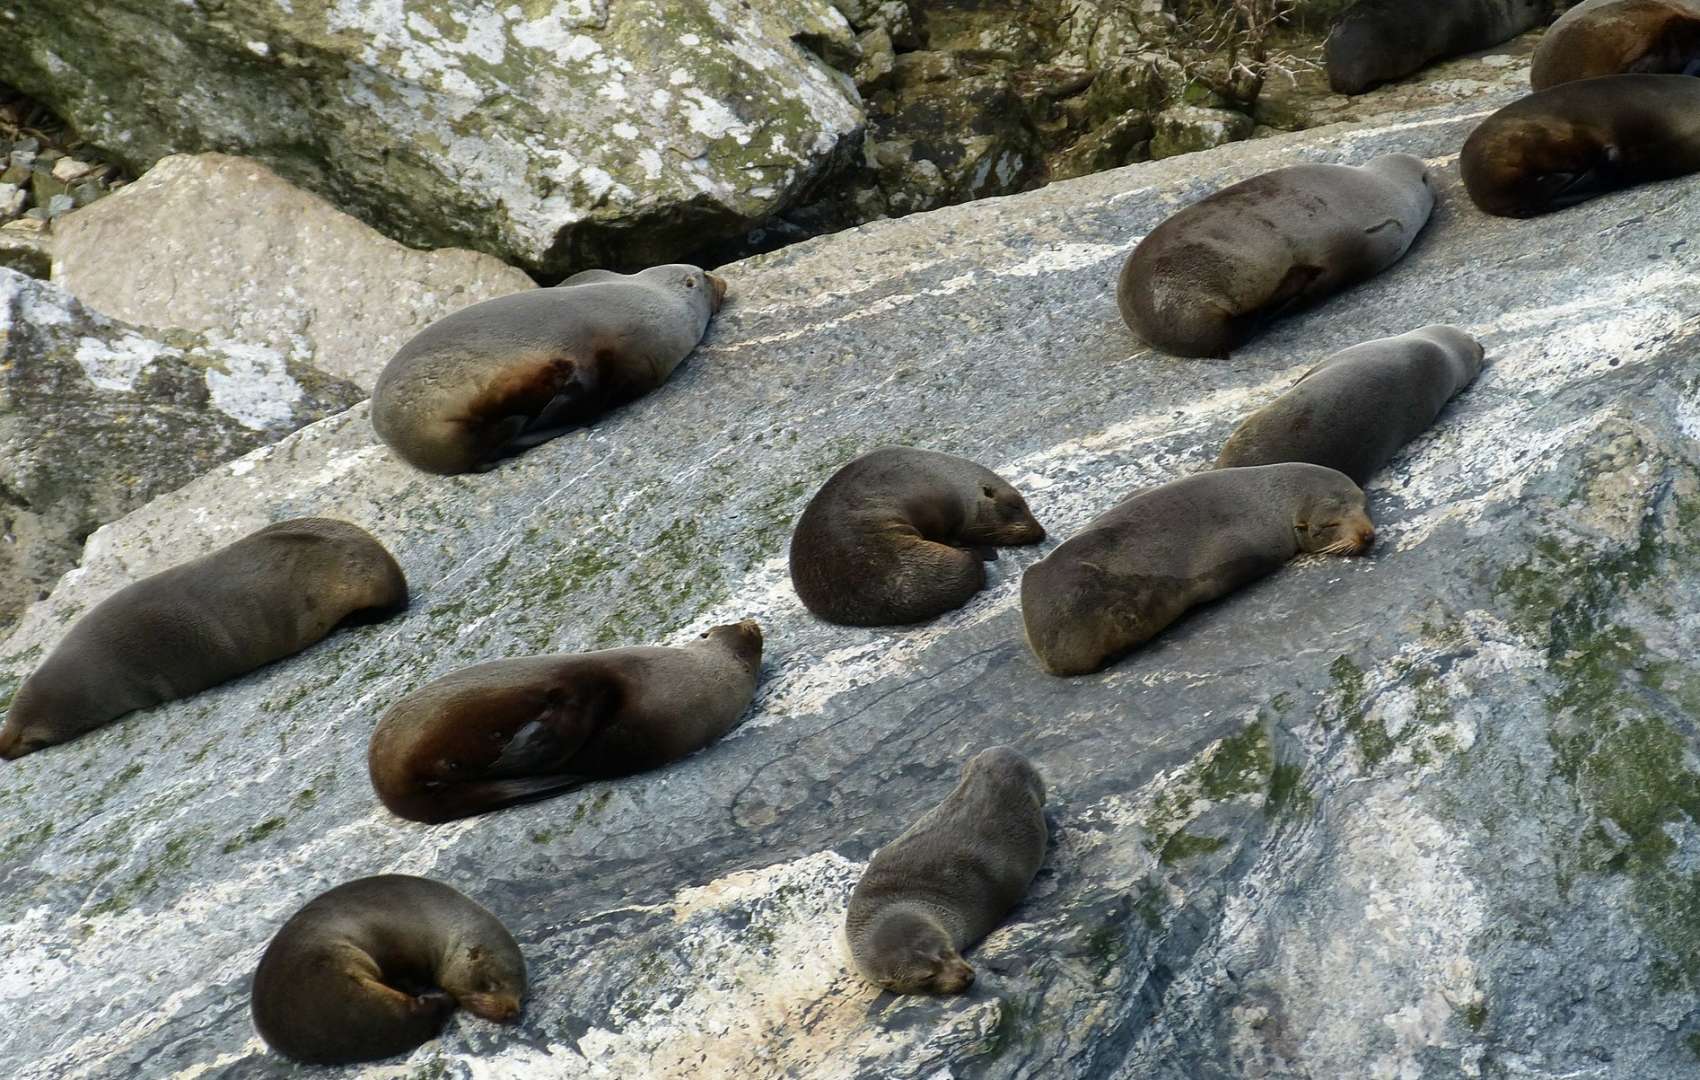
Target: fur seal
374, 967
1616, 37
899, 535
510, 731
1378, 41
1353, 411
950, 879
507, 374
1139, 566
272, 593
1563, 146
1211, 275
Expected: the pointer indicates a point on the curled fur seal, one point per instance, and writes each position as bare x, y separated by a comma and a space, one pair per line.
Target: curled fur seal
269, 594
1619, 37
1142, 564
1206, 279
1578, 140
899, 535
374, 967
950, 879
506, 374
1378, 41
511, 731
1353, 411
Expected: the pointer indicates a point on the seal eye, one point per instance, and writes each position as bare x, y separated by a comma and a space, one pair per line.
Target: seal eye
690, 283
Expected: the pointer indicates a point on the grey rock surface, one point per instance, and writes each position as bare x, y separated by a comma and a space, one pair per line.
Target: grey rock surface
1431, 813
212, 242
97, 417
557, 135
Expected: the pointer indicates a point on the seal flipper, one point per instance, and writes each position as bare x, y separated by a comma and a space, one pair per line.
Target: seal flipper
481, 796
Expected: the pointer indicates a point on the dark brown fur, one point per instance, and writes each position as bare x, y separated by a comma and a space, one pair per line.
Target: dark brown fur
1563, 146
264, 597
899, 535
1619, 37
1378, 41
510, 731
950, 879
373, 968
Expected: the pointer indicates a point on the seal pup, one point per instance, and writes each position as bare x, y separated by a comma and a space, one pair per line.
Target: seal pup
1560, 147
1209, 277
270, 594
899, 535
510, 731
374, 967
1142, 564
1378, 41
506, 374
1616, 37
950, 879
1353, 411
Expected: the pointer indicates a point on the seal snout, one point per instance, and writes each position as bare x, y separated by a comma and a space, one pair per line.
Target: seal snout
956, 977
718, 284
499, 1008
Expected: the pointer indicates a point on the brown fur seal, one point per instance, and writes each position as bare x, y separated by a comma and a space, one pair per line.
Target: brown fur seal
883, 541
950, 879
1559, 147
373, 968
1378, 41
1141, 565
506, 374
1211, 275
270, 594
1356, 409
1617, 37
511, 731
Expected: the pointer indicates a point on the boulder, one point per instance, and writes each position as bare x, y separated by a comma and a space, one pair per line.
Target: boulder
554, 135
217, 243
1429, 813
97, 417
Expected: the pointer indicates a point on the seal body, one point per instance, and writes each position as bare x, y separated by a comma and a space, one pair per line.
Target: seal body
1563, 146
1210, 276
1356, 409
506, 374
1378, 41
1617, 37
1142, 564
899, 535
950, 879
374, 967
511, 731
269, 594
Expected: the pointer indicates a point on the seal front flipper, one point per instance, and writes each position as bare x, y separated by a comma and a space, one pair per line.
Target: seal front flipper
480, 796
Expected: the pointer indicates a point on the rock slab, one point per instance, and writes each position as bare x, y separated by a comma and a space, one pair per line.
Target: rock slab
215, 243
1427, 814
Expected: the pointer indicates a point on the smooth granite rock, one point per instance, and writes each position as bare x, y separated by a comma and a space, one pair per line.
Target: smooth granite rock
1426, 814
218, 243
556, 135
97, 417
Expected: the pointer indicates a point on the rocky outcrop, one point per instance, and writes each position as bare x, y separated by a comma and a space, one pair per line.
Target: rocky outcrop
1430, 813
556, 135
97, 417
222, 244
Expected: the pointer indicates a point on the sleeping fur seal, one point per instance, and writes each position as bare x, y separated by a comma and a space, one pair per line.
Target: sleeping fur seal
950, 879
510, 731
1142, 564
1353, 411
269, 594
899, 535
506, 374
1206, 279
1578, 140
1619, 37
1378, 41
374, 967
